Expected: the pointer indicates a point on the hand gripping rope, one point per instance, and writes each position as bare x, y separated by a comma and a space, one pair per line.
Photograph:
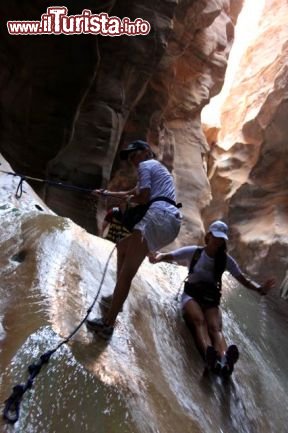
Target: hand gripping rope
19, 190
12, 404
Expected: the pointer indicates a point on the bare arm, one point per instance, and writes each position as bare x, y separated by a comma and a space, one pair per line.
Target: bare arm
142, 197
116, 194
262, 289
161, 257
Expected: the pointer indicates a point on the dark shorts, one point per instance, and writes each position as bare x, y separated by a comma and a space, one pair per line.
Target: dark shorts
206, 294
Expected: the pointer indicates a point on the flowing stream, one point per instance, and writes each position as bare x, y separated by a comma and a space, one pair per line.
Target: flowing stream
149, 378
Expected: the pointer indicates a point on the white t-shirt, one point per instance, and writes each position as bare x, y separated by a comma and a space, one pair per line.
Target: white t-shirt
204, 267
153, 175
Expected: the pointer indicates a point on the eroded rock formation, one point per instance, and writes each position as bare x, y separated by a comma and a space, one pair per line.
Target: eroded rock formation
190, 72
251, 160
68, 103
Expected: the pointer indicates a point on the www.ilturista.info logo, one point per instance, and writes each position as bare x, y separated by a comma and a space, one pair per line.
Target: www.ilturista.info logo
56, 21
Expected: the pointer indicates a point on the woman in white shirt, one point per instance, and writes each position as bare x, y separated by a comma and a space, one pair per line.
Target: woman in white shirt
157, 228
202, 294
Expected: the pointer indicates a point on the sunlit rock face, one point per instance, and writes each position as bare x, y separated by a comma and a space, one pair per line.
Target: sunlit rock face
69, 103
190, 72
251, 159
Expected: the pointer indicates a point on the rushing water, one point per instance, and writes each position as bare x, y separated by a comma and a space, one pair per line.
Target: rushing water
149, 378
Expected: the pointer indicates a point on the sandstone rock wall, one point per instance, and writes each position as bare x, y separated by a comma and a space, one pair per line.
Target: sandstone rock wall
251, 159
190, 72
68, 103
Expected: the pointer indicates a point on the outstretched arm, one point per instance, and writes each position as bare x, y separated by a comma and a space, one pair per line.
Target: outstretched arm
262, 289
116, 194
141, 197
161, 257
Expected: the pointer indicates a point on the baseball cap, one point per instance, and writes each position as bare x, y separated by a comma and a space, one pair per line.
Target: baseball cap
219, 229
132, 147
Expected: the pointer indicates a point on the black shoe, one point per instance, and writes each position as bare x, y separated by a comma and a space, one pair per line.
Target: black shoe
97, 325
217, 369
213, 360
232, 356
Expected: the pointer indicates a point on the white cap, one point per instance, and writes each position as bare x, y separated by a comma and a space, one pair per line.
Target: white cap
219, 230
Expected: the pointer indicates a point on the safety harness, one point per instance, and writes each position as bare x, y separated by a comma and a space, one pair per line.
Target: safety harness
117, 230
205, 293
133, 215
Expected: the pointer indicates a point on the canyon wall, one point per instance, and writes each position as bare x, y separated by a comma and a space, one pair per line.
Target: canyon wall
250, 160
69, 103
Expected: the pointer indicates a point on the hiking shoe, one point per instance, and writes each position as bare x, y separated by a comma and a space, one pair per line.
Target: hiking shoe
232, 356
217, 369
98, 326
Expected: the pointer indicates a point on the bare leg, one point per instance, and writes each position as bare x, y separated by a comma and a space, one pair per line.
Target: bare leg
121, 252
195, 316
132, 254
213, 318
122, 247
